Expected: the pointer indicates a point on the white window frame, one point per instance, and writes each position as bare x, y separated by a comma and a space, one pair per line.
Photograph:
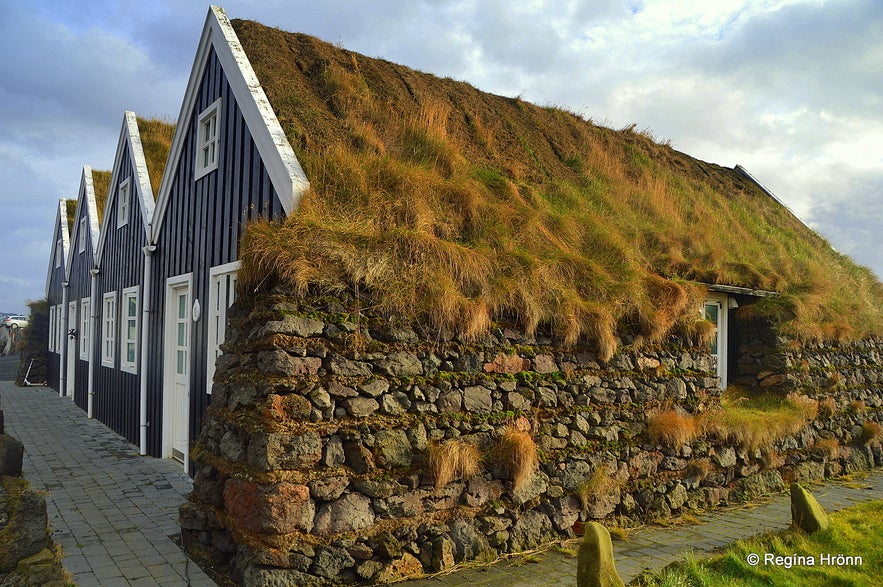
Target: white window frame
85, 324
58, 253
81, 235
51, 329
207, 143
59, 330
108, 329
124, 194
222, 286
129, 293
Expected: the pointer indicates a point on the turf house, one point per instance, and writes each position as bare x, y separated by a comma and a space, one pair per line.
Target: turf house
390, 322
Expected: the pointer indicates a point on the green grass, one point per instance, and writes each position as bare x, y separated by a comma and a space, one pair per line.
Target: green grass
854, 532
755, 421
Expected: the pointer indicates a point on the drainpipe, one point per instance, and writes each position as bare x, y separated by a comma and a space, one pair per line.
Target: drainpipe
62, 370
93, 328
145, 339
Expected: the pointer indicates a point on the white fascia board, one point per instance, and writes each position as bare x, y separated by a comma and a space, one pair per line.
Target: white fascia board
91, 209
60, 231
130, 136
125, 131
142, 177
285, 171
86, 204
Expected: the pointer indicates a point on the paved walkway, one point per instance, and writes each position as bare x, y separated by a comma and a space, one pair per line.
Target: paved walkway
656, 548
113, 512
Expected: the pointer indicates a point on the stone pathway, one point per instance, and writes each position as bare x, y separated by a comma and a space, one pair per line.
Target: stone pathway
655, 548
113, 512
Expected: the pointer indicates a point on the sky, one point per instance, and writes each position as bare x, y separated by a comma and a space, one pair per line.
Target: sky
790, 89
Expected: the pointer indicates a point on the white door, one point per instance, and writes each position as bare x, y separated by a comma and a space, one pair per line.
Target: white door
70, 383
176, 396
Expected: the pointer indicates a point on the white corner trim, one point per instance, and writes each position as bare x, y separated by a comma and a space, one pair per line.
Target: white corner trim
60, 232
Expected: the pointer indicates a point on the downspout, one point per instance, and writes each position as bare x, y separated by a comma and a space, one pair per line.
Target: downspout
62, 371
93, 328
145, 340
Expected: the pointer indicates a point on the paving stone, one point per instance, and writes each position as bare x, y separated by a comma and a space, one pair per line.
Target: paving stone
110, 509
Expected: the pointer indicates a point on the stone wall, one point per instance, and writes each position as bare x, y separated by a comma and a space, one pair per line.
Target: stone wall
313, 458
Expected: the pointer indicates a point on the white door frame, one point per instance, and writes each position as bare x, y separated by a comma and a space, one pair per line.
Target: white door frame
221, 294
70, 383
721, 300
170, 333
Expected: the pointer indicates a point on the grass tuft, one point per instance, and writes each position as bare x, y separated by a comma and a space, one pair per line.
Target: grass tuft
672, 428
598, 484
871, 432
517, 452
756, 421
827, 408
452, 459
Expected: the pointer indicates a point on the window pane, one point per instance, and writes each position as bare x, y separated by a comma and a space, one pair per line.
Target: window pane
182, 306
132, 307
130, 353
131, 332
182, 334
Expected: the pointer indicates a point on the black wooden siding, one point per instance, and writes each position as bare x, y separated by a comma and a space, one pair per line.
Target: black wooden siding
116, 399
54, 297
200, 230
79, 287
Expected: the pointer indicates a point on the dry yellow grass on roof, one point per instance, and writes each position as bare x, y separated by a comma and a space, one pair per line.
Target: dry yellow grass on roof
156, 142
101, 186
70, 209
460, 207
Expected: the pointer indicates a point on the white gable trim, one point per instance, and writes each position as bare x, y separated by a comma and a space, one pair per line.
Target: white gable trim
141, 189
285, 171
60, 232
85, 196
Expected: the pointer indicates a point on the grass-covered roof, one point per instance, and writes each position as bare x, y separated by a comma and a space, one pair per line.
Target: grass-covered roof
70, 208
101, 185
156, 141
461, 207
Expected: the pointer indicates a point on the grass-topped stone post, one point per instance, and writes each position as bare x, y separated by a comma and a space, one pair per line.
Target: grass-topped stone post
596, 567
806, 512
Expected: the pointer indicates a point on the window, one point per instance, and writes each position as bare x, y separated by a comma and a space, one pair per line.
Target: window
84, 329
58, 252
222, 294
123, 205
82, 234
108, 333
51, 329
207, 140
129, 331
